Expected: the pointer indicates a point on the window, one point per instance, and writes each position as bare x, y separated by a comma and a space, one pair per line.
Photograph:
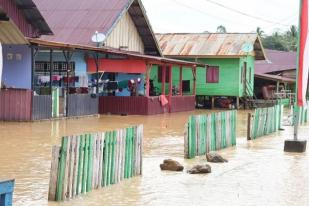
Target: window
212, 74
186, 85
167, 74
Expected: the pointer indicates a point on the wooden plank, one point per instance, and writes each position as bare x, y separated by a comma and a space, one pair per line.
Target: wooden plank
76, 166
103, 159
106, 159
80, 164
117, 157
249, 126
141, 136
85, 166
90, 163
112, 165
53, 173
100, 179
71, 167
123, 161
61, 169
95, 162
65, 195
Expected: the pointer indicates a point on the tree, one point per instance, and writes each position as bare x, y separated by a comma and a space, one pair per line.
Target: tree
259, 31
221, 29
283, 41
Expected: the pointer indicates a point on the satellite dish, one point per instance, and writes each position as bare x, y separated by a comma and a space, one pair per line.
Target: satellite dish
98, 37
247, 47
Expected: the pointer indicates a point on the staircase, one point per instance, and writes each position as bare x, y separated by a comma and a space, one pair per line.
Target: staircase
248, 99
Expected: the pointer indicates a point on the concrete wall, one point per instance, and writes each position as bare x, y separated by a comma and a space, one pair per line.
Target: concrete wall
17, 66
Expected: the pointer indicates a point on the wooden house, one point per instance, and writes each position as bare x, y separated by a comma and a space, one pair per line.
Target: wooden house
19, 20
230, 70
275, 77
70, 75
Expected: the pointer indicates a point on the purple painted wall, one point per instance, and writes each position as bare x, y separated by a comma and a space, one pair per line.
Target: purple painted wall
17, 66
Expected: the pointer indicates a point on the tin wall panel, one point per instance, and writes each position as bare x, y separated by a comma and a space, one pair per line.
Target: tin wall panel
82, 104
182, 103
42, 107
15, 104
123, 105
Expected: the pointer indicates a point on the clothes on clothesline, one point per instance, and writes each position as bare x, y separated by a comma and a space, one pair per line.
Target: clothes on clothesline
83, 80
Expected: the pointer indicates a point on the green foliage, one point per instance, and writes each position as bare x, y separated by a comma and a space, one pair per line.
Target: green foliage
286, 41
221, 29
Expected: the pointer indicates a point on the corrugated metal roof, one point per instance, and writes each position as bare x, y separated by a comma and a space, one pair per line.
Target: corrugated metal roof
150, 59
208, 44
274, 78
276, 61
75, 21
25, 15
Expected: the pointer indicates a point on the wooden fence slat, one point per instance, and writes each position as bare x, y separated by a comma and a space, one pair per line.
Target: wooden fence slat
80, 164
66, 170
54, 173
76, 166
90, 161
100, 178
71, 168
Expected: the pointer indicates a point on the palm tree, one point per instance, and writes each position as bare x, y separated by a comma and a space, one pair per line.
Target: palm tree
259, 31
221, 29
293, 31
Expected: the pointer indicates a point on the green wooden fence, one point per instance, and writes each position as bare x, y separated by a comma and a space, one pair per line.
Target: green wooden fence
303, 114
205, 133
90, 161
264, 121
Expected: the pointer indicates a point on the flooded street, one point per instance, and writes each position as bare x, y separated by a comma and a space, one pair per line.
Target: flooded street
258, 172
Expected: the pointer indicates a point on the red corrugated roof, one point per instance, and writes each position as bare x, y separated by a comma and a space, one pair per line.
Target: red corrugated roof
75, 21
277, 61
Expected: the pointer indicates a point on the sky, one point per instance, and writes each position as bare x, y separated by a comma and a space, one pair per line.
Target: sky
168, 16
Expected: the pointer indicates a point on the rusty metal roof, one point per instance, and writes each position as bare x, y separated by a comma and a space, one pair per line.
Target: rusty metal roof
75, 21
209, 44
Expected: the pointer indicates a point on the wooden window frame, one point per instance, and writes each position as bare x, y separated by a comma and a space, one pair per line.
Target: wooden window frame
212, 74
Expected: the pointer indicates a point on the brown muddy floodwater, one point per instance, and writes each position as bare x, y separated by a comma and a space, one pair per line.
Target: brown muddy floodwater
258, 173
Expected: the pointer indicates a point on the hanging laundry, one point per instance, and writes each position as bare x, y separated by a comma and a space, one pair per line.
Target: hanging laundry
163, 100
56, 78
44, 79
83, 80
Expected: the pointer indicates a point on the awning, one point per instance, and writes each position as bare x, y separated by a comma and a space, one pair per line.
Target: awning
130, 55
275, 78
119, 65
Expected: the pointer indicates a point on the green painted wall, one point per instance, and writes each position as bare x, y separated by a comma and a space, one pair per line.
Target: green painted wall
250, 73
229, 78
187, 75
230, 71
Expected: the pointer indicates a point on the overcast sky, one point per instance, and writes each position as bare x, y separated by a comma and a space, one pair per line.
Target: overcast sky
202, 15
